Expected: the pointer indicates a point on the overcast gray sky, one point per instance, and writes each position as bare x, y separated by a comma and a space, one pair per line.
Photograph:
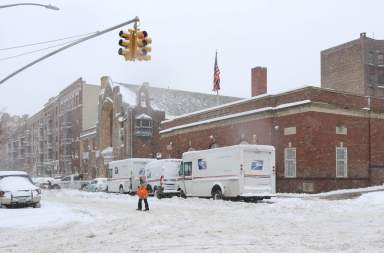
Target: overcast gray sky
284, 36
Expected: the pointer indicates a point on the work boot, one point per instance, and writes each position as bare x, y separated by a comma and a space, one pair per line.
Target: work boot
147, 209
138, 209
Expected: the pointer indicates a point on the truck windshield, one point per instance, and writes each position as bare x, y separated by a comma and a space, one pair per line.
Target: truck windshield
171, 169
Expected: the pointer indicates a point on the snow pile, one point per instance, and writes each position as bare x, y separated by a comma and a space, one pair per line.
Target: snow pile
197, 225
50, 214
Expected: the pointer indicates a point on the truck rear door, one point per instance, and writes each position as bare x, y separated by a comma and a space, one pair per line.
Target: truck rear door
258, 169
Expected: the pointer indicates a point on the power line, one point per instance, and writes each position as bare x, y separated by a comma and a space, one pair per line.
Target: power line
135, 20
34, 51
49, 41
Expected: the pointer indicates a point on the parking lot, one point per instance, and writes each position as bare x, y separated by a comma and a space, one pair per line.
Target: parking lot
70, 220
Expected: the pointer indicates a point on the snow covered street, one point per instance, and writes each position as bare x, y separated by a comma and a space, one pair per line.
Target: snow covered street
74, 221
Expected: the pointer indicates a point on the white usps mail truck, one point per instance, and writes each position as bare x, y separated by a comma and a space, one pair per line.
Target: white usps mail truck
161, 177
240, 172
124, 175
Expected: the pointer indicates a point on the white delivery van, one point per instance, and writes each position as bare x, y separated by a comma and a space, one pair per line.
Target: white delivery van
124, 175
240, 172
161, 177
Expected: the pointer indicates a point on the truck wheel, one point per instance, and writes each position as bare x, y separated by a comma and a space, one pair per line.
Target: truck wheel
182, 194
37, 205
158, 194
121, 189
56, 187
217, 194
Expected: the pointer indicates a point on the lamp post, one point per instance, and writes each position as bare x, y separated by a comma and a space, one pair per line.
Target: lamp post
48, 6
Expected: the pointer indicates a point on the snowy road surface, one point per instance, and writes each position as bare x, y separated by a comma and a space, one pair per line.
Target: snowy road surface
73, 221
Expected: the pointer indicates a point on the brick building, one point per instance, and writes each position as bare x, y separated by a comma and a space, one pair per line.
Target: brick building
324, 139
129, 118
356, 66
47, 143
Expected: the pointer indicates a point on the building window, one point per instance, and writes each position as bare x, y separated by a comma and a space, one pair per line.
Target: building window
341, 162
380, 77
143, 127
371, 57
341, 129
380, 59
290, 162
371, 74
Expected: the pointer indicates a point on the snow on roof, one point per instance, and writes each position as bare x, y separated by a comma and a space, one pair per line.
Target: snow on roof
143, 116
173, 102
235, 115
107, 150
12, 172
240, 101
128, 96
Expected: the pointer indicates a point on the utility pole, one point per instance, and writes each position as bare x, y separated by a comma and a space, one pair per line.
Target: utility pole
135, 20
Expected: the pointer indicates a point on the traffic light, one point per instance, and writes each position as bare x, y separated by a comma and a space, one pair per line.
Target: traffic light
129, 43
142, 44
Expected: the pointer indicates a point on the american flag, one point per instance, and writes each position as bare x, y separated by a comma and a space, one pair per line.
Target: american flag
216, 76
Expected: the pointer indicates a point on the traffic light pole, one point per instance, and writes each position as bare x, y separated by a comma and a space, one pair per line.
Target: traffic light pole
135, 20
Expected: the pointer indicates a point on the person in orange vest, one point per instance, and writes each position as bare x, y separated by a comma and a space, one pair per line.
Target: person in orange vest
142, 192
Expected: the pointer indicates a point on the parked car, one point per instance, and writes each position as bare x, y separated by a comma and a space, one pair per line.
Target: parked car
97, 185
161, 177
69, 182
241, 172
43, 182
17, 189
124, 174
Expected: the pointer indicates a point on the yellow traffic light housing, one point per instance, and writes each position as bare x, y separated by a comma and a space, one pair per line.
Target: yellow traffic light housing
129, 44
135, 45
143, 48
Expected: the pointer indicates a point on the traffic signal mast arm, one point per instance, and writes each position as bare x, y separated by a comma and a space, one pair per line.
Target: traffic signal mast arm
135, 20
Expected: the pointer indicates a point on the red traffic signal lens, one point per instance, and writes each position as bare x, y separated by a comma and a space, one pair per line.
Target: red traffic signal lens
142, 34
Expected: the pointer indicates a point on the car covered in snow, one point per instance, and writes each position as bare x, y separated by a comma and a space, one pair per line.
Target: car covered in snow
17, 189
97, 185
43, 182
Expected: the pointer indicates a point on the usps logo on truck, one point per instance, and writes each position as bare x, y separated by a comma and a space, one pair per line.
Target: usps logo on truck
257, 165
202, 164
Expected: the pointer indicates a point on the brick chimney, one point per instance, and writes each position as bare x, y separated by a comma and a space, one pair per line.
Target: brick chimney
259, 81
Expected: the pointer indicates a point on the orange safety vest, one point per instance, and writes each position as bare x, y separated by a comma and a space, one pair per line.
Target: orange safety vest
142, 192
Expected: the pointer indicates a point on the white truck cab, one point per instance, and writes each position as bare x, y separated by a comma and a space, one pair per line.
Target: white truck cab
73, 181
124, 175
161, 177
241, 172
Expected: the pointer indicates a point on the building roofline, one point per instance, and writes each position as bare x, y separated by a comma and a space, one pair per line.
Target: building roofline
281, 93
156, 87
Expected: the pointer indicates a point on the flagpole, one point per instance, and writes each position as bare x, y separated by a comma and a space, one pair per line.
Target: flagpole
216, 79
